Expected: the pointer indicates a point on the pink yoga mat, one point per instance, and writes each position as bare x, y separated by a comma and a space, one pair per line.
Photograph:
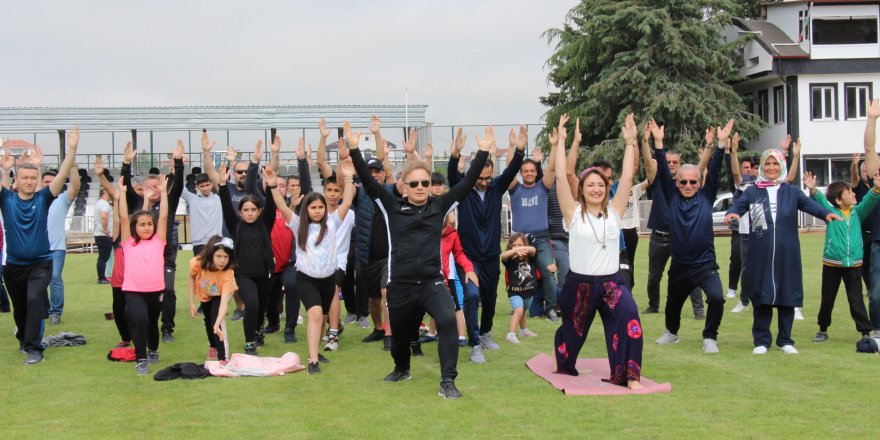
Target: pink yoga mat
589, 382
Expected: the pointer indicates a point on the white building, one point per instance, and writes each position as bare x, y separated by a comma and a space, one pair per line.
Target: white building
811, 70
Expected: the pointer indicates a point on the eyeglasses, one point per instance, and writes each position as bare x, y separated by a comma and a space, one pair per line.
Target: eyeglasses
685, 182
415, 183
240, 171
294, 185
484, 179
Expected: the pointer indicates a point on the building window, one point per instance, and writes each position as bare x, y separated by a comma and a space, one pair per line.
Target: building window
819, 168
803, 26
858, 98
749, 101
823, 104
778, 105
845, 30
764, 105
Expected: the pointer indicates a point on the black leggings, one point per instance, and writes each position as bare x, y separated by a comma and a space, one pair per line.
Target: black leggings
315, 291
119, 315
254, 291
210, 309
406, 304
274, 302
142, 310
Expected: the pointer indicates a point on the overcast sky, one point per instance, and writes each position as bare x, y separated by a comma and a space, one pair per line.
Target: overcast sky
470, 62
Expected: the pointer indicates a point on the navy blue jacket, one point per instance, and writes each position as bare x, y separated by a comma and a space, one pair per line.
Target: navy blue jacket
690, 220
479, 218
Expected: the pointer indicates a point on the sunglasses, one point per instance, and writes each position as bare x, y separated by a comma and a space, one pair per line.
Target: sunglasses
415, 183
685, 182
240, 171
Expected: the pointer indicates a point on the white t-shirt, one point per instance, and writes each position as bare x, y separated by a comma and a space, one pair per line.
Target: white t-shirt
632, 216
771, 196
594, 243
318, 260
103, 206
343, 238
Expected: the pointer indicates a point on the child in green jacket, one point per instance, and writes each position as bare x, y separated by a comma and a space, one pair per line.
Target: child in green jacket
842, 257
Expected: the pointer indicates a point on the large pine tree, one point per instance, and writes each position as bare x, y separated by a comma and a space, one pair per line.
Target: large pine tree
657, 58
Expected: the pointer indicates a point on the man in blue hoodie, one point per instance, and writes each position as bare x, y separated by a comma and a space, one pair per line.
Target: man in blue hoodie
479, 227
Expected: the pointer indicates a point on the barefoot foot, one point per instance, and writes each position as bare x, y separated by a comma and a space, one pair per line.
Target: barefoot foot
635, 385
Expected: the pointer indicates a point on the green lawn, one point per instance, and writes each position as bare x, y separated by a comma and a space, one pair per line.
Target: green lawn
823, 392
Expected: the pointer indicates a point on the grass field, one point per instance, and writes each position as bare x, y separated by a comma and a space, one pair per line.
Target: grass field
826, 391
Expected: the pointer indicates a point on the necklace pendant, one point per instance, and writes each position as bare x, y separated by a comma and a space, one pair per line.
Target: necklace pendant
603, 245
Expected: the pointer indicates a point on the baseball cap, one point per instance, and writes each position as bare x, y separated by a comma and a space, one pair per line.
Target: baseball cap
375, 163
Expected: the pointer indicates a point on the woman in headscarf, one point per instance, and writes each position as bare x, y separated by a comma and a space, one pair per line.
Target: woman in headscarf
774, 264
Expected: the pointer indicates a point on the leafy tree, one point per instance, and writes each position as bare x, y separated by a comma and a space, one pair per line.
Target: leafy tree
656, 58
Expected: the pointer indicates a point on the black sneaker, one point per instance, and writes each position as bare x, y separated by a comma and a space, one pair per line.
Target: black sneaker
289, 336
650, 310
271, 329
152, 356
250, 349
448, 389
34, 357
375, 335
167, 337
397, 376
821, 337
314, 368
416, 348
387, 341
322, 359
261, 339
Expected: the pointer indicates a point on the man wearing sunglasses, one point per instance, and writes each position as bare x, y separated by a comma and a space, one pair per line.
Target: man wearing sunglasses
688, 211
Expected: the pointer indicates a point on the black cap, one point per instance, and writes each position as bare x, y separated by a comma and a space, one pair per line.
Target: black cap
375, 163
437, 179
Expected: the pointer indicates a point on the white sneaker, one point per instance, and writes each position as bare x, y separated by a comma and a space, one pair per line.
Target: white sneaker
488, 343
798, 315
332, 344
760, 350
527, 332
740, 307
667, 338
731, 293
788, 349
511, 337
875, 333
710, 346
299, 320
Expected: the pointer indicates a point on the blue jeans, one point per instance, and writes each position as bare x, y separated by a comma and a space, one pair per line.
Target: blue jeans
470, 299
874, 288
545, 297
56, 285
560, 254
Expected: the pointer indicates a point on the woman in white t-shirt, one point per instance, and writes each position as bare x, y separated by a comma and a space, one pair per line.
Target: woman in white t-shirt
593, 283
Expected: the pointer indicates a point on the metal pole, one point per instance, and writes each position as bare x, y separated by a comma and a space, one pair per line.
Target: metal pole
112, 160
61, 134
189, 141
151, 149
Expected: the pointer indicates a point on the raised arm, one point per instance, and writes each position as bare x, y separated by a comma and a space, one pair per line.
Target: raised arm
323, 167
648, 155
795, 161
630, 134
250, 180
663, 176
276, 197
854, 175
518, 142
208, 160
571, 159
275, 148
734, 160
267, 215
7, 163
176, 185
162, 221
458, 192
230, 217
302, 166
872, 162
64, 169
348, 188
706, 151
128, 155
713, 174
429, 156
116, 209
373, 189
567, 203
122, 205
75, 182
455, 147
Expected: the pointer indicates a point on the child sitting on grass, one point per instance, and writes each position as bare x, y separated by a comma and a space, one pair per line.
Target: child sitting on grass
843, 253
521, 276
212, 279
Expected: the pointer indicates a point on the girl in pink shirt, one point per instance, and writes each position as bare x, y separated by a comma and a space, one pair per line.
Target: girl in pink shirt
144, 279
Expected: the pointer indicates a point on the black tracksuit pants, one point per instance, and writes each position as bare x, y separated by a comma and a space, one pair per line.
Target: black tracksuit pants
831, 277
406, 304
142, 311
